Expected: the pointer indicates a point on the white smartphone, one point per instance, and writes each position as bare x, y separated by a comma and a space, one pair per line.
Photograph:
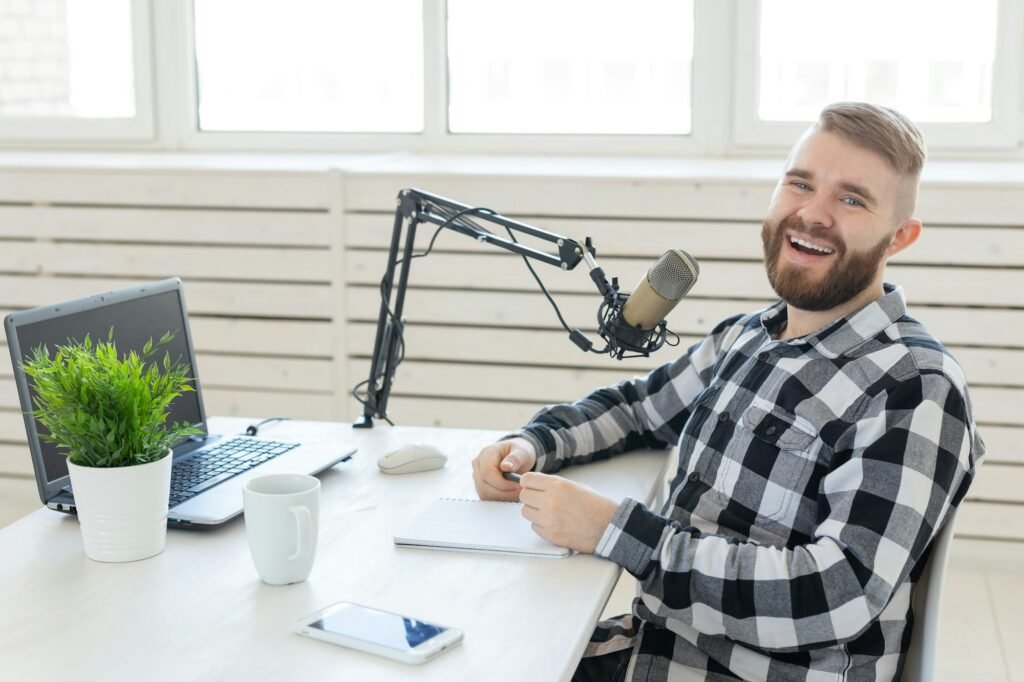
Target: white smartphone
379, 632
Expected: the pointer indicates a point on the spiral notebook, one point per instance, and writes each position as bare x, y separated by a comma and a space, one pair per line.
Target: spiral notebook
475, 526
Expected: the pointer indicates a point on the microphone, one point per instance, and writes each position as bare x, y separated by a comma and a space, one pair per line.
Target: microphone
665, 284
637, 324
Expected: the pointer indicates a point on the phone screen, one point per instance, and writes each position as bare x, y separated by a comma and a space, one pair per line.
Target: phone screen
376, 627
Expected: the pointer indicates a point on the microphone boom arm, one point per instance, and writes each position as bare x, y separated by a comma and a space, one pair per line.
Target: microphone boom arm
416, 206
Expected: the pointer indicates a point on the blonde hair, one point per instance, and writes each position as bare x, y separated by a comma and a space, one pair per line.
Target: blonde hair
884, 131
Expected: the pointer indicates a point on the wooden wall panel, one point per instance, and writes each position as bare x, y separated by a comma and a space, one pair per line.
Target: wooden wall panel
254, 250
281, 272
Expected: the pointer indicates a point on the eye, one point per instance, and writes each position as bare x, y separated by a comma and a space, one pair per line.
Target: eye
853, 201
799, 184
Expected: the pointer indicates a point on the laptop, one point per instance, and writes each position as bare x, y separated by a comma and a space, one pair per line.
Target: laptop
208, 470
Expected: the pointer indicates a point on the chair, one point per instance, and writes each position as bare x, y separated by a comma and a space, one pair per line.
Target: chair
927, 603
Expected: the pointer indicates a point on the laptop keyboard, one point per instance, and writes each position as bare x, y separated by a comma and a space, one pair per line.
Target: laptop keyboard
207, 468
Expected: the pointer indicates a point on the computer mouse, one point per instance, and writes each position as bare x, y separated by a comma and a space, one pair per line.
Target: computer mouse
409, 459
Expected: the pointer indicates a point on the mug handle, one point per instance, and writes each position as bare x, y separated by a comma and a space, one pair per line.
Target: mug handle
304, 525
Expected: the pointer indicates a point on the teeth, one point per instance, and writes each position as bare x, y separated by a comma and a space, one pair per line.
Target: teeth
819, 249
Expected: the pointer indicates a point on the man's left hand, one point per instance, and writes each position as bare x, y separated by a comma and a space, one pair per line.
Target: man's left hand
565, 513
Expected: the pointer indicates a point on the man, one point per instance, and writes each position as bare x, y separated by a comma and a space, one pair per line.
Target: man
823, 442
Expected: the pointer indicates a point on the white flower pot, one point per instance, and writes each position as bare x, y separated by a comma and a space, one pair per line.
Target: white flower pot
122, 510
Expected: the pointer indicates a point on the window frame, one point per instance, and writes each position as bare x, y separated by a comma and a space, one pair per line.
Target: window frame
724, 83
436, 138
46, 130
1003, 132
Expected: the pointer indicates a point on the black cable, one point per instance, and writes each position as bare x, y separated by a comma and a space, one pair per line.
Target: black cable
384, 295
554, 305
253, 429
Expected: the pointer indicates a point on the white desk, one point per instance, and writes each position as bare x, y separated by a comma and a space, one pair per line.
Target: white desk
198, 611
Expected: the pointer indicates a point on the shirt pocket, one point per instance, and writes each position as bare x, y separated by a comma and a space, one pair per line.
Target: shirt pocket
764, 470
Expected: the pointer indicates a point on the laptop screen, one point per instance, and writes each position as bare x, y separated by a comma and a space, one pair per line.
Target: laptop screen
135, 321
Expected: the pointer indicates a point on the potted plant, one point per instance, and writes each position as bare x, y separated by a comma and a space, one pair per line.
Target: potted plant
109, 414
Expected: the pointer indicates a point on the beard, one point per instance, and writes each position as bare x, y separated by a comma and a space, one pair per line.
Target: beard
850, 274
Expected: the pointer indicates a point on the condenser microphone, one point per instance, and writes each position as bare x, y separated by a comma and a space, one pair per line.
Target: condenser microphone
639, 325
660, 290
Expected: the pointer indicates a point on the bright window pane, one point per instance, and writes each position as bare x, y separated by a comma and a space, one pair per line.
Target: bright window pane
931, 59
570, 66
310, 65
68, 58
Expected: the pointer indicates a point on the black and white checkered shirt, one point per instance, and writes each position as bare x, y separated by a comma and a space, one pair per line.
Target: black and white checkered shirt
813, 475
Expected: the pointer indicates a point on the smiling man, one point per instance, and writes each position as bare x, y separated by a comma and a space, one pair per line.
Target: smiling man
823, 442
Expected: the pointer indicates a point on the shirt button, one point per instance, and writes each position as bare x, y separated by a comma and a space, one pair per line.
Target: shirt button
771, 430
723, 417
694, 476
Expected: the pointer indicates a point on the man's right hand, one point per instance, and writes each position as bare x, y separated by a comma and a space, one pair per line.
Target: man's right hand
515, 455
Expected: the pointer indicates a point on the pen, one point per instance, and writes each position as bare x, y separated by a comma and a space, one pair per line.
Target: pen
509, 476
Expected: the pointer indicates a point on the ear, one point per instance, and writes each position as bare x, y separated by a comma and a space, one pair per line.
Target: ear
906, 234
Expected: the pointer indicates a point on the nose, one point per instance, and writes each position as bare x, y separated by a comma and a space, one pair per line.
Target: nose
816, 211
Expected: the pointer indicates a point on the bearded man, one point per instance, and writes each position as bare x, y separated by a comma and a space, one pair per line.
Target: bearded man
823, 442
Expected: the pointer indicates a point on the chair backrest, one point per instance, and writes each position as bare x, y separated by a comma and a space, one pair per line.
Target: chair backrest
927, 603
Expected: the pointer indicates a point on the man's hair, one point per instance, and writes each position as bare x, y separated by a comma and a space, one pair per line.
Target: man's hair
884, 131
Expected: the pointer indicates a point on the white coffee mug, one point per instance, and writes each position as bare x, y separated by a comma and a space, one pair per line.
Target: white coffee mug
282, 521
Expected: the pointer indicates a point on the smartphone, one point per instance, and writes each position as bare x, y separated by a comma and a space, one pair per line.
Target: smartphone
391, 635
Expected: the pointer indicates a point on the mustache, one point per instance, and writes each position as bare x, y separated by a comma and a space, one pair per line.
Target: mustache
823, 235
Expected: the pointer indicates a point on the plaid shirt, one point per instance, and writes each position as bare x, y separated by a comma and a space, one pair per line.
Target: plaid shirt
813, 475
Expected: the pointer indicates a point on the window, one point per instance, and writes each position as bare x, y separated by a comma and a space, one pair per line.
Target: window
934, 60
309, 65
74, 68
570, 67
651, 77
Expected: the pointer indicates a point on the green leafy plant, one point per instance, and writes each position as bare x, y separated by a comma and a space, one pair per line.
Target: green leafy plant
104, 410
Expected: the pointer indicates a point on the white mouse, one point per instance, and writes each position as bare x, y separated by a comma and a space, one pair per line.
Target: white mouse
409, 459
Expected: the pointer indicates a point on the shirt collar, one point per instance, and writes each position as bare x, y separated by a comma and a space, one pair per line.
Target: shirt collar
843, 335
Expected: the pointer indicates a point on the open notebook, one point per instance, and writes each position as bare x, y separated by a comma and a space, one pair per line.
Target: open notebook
475, 526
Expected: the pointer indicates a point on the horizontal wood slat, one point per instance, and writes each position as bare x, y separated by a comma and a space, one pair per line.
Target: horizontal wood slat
959, 286
636, 238
625, 192
159, 261
536, 384
182, 226
295, 338
998, 405
691, 316
1000, 328
990, 520
166, 188
8, 395
510, 346
938, 245
15, 460
956, 203
236, 371
997, 483
532, 195
542, 385
12, 426
551, 347
270, 373
507, 272
524, 309
991, 366
216, 298
223, 402
1003, 444
455, 413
